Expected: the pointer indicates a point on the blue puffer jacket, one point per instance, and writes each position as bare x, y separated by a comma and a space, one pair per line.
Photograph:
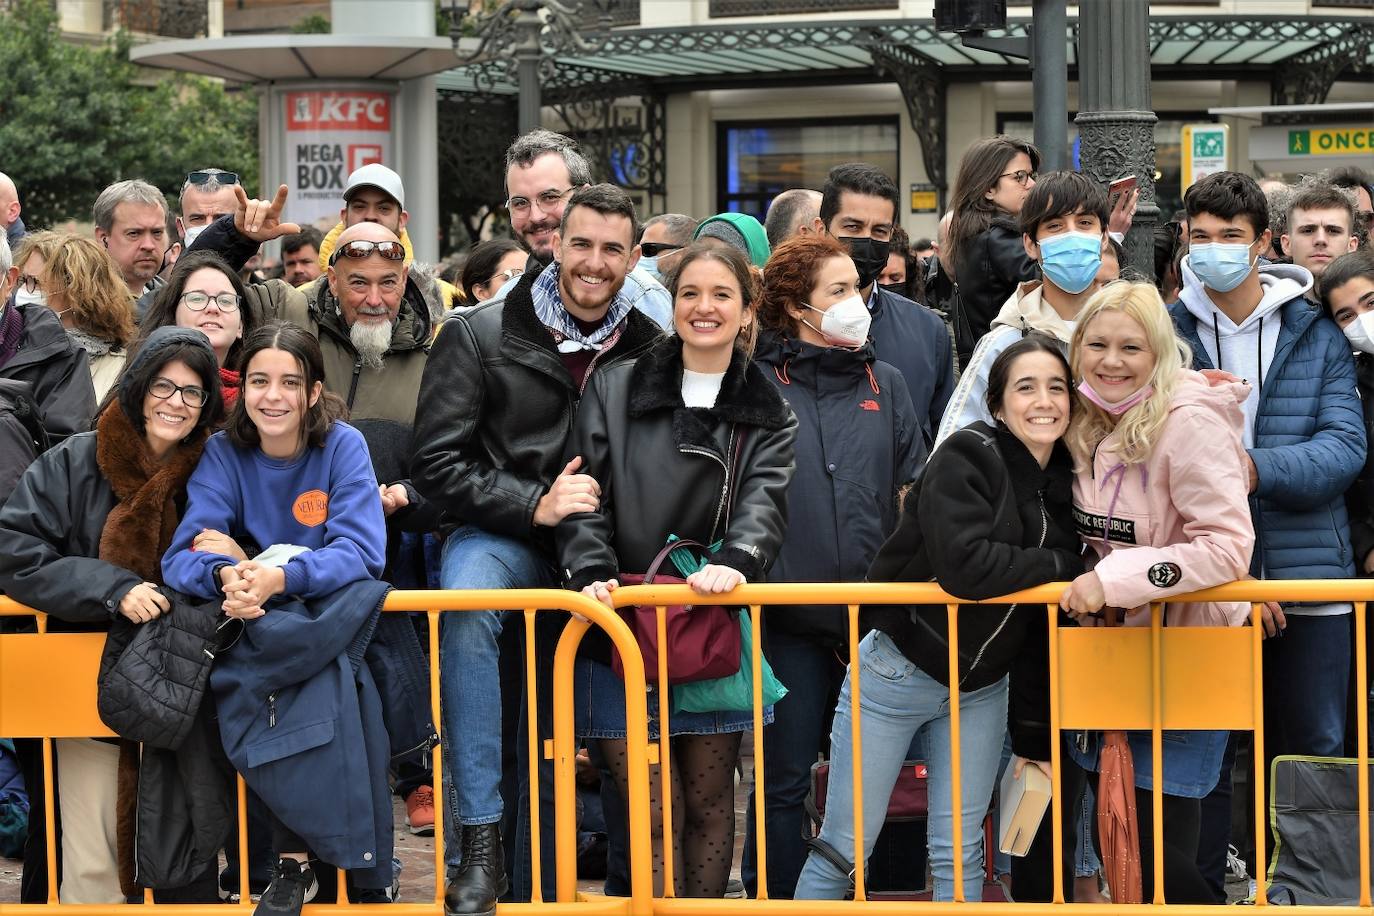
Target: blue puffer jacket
1309, 445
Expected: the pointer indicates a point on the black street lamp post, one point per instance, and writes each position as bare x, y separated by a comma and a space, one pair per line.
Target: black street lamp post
1115, 121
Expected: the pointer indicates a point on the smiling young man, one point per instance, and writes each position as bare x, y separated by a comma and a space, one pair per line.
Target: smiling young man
496, 411
1063, 226
1304, 436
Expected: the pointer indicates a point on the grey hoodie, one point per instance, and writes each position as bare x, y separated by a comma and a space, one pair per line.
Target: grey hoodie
1246, 349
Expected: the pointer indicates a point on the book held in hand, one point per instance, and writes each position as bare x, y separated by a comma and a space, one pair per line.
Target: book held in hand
1021, 802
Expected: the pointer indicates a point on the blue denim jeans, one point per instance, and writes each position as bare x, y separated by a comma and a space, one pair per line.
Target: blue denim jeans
469, 673
897, 700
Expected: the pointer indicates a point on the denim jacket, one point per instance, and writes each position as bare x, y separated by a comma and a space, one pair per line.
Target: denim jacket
1192, 759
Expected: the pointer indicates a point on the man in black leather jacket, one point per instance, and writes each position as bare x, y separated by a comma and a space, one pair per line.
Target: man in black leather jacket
495, 413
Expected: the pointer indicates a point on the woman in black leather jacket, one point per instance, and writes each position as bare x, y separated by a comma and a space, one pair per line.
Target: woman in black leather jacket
984, 254
658, 435
82, 538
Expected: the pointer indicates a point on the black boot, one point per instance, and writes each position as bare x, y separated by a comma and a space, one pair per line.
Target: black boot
481, 878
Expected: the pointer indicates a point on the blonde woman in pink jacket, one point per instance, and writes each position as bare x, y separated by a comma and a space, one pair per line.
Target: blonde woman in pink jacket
1161, 496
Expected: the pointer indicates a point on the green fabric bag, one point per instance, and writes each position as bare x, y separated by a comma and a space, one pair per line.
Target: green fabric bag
736, 692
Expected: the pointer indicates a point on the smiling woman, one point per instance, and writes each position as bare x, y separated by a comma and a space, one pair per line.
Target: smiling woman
203, 293
81, 538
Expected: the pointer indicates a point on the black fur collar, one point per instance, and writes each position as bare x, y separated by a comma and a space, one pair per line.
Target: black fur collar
745, 395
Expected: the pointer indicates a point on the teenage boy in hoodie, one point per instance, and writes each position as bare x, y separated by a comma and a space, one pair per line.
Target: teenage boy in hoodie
1304, 435
1063, 226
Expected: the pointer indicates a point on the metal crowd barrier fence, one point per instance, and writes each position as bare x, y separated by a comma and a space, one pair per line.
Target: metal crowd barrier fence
1161, 678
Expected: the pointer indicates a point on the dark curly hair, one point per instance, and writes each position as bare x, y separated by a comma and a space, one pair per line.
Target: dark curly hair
790, 276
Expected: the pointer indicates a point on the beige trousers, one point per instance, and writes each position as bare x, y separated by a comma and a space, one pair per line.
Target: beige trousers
87, 780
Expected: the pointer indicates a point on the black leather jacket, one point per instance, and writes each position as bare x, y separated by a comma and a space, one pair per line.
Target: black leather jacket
662, 468
496, 410
990, 266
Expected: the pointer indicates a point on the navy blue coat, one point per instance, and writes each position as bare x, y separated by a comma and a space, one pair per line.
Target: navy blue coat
1309, 445
914, 340
855, 447
302, 719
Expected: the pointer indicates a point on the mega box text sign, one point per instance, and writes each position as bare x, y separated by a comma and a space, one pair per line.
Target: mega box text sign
329, 133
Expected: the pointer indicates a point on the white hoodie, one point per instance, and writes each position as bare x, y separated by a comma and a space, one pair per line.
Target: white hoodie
1246, 349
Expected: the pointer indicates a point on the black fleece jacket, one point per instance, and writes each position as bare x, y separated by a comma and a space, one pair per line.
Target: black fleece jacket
984, 520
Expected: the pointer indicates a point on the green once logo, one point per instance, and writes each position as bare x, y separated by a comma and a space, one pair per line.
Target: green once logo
1299, 142
1208, 144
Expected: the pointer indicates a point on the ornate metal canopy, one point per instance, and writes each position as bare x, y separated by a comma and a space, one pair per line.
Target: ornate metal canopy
1301, 58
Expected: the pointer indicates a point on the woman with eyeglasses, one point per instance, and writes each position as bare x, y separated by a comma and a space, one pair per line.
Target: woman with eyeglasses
78, 280
82, 539
984, 255
491, 265
204, 293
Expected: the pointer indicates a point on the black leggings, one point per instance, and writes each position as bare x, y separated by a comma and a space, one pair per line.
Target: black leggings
1033, 877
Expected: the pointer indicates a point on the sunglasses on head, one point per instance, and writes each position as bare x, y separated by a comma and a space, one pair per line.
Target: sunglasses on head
654, 249
203, 177
392, 251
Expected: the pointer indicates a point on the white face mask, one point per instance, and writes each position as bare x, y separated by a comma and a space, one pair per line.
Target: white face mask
191, 234
24, 297
1360, 333
844, 324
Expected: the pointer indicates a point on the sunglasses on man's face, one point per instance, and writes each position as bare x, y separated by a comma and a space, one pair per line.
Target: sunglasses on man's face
392, 251
207, 177
654, 249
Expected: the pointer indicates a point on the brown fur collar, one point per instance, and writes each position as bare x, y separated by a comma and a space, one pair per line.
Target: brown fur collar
139, 528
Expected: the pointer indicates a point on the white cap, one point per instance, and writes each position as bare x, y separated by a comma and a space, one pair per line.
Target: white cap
376, 175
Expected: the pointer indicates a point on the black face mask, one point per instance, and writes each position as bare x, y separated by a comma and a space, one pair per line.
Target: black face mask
898, 288
870, 257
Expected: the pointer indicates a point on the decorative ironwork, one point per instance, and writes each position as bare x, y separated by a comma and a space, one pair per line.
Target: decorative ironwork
923, 89
725, 8
168, 18
619, 127
1307, 78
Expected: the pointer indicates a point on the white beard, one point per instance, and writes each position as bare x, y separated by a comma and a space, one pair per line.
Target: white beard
371, 339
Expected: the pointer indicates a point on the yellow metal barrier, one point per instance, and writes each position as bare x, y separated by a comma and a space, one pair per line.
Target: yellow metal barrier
1213, 680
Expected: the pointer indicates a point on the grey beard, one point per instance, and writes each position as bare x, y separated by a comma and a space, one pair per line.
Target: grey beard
371, 339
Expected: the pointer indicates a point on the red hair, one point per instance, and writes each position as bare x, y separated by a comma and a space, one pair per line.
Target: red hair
790, 276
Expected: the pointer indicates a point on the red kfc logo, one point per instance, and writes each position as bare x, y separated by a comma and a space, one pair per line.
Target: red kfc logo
338, 111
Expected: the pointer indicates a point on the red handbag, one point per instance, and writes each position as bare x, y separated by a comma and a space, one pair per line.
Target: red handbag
703, 639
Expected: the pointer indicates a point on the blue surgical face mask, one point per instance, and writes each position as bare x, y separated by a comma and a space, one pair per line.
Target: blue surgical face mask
1071, 260
1221, 266
651, 265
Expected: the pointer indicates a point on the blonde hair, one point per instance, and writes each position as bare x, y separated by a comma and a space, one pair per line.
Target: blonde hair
91, 286
1139, 427
42, 243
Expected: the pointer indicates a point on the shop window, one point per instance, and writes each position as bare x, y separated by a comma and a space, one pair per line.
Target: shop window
757, 160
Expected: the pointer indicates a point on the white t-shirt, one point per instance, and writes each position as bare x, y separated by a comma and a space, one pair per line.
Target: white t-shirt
699, 389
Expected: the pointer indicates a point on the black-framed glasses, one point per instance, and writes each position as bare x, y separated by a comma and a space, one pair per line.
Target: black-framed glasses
196, 300
1020, 176
27, 282
654, 249
191, 395
547, 200
392, 251
205, 177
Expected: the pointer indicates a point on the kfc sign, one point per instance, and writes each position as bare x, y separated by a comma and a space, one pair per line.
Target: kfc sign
338, 111
328, 134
